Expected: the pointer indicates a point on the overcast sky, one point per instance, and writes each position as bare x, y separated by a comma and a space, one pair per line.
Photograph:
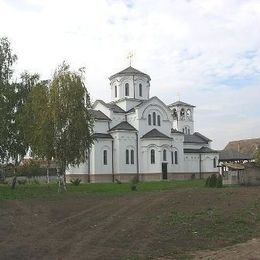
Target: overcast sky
208, 50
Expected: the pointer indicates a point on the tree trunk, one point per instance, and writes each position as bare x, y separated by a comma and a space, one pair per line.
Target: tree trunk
47, 173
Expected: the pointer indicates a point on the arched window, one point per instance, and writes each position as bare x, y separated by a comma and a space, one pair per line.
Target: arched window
105, 157
154, 118
214, 163
159, 120
172, 157
115, 91
152, 156
176, 157
149, 119
188, 131
127, 156
174, 113
126, 89
164, 155
182, 114
132, 157
140, 90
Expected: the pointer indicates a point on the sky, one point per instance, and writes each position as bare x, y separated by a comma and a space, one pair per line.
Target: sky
207, 50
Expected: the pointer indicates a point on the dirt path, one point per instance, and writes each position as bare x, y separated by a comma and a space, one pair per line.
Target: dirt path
245, 251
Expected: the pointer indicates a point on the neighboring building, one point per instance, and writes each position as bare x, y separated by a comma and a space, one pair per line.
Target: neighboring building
139, 135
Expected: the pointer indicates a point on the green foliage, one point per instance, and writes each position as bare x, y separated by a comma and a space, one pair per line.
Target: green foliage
214, 181
75, 182
133, 183
22, 182
257, 157
219, 183
29, 169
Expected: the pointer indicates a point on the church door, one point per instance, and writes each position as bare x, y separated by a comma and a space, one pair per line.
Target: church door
164, 171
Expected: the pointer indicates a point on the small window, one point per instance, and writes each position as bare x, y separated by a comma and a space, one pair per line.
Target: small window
140, 90
115, 91
126, 89
172, 157
188, 131
105, 157
152, 156
164, 155
149, 119
214, 163
159, 120
127, 156
154, 118
132, 157
176, 157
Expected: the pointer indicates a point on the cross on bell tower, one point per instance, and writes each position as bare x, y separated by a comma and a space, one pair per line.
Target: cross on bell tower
130, 57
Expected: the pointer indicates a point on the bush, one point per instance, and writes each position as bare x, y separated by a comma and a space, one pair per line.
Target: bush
29, 169
133, 184
75, 182
219, 181
22, 182
214, 181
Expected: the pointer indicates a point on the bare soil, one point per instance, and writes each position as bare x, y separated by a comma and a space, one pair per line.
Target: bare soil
130, 226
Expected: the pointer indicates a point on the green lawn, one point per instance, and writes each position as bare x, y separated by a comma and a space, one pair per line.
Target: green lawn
44, 190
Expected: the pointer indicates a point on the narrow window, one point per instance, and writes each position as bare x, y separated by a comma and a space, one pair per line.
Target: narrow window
159, 120
132, 157
126, 89
152, 156
127, 156
140, 90
176, 157
214, 163
115, 91
172, 157
164, 155
188, 131
154, 118
149, 119
105, 157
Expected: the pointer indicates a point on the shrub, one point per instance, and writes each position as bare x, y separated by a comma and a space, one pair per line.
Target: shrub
22, 182
75, 182
29, 169
213, 181
133, 184
207, 182
219, 183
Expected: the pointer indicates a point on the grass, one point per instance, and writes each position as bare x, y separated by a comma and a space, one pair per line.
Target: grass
45, 190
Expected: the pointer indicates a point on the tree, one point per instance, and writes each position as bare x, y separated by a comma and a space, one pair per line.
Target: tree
257, 157
69, 104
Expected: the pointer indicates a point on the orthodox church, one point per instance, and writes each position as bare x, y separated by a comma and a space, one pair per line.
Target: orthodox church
139, 135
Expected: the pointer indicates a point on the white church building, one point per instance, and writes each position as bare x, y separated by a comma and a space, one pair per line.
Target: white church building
139, 135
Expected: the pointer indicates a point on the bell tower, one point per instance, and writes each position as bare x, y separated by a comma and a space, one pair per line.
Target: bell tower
183, 117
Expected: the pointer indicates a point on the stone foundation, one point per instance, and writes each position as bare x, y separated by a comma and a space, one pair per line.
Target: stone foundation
126, 177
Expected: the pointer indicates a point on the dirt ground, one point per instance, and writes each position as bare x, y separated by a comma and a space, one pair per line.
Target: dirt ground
128, 226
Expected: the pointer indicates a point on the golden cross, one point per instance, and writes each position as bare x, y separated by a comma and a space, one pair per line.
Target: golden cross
130, 57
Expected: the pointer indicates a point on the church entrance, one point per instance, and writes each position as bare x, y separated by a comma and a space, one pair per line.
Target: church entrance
164, 171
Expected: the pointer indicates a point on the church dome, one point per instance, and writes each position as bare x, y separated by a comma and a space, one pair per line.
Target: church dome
130, 71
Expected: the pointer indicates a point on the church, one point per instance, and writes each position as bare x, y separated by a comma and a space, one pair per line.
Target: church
140, 136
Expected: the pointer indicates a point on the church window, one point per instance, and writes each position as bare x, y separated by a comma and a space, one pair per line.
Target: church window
105, 157
175, 115
140, 90
176, 157
126, 89
159, 120
188, 131
214, 163
132, 157
149, 119
172, 157
152, 156
182, 114
154, 118
115, 91
164, 155
127, 156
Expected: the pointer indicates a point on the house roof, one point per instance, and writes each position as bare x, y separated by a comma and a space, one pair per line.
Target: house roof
98, 115
130, 71
201, 150
102, 135
124, 125
196, 138
180, 103
231, 155
234, 166
115, 108
154, 133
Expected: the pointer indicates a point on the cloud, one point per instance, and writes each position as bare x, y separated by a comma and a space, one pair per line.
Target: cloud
207, 50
